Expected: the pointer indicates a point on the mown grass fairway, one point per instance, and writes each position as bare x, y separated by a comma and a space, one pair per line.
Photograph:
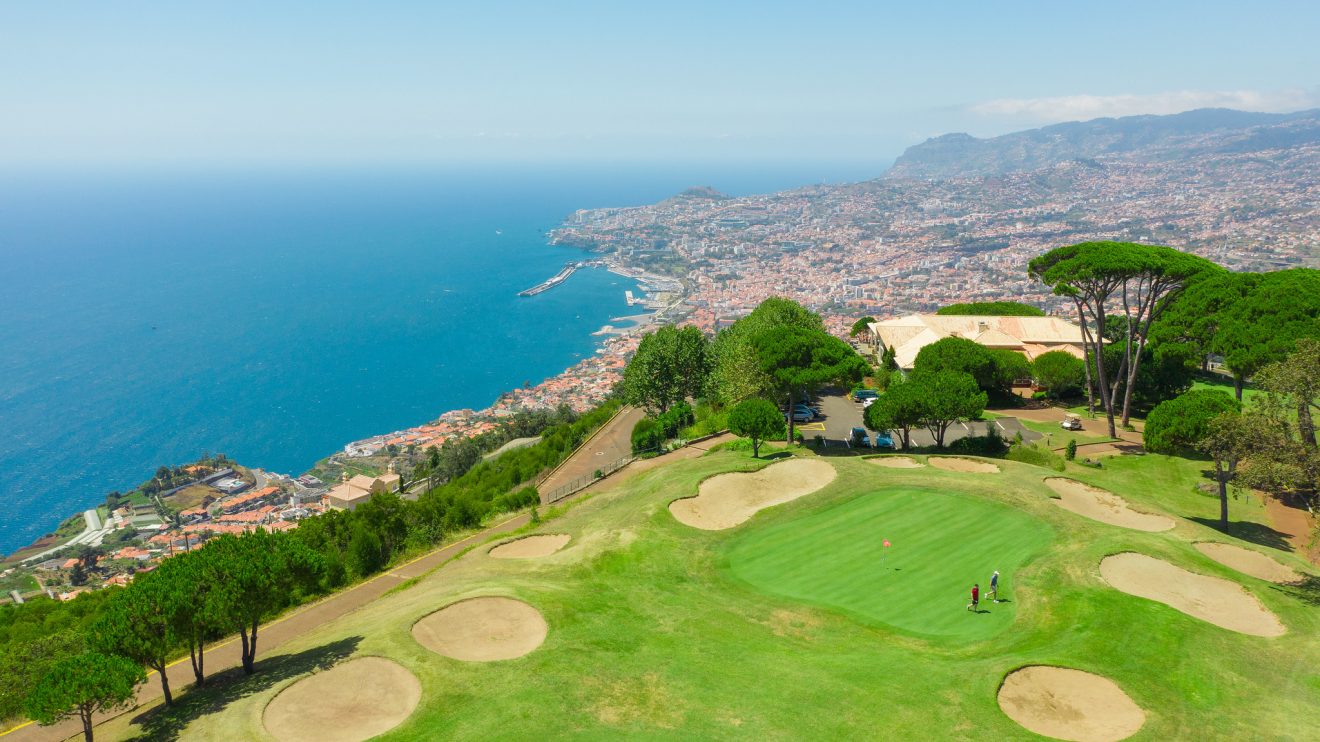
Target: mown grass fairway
653, 635
940, 545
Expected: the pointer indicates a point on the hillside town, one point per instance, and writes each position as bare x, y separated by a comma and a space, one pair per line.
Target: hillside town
897, 245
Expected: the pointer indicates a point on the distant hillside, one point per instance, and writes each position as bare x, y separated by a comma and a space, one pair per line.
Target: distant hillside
1160, 137
697, 193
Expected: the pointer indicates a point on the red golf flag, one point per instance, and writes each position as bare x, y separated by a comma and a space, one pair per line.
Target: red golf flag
886, 543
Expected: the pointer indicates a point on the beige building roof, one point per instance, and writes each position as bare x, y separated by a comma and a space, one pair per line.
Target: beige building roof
1028, 335
360, 488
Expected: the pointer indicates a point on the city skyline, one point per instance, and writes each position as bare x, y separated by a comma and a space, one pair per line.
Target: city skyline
148, 83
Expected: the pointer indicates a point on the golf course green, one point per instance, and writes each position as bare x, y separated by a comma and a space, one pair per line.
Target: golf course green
940, 545
795, 625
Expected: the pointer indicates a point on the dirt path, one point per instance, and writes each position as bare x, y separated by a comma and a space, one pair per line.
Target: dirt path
1297, 524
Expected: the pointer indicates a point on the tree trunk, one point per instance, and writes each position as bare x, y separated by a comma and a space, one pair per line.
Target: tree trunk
197, 652
1101, 377
1305, 423
252, 650
86, 714
756, 448
1223, 495
247, 664
1237, 386
790, 418
165, 684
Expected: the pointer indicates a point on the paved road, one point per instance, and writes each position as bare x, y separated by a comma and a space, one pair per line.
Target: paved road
93, 532
611, 442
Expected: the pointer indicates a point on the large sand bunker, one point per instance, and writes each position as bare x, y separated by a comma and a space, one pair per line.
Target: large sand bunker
726, 500
1218, 601
531, 547
482, 630
896, 462
1069, 704
967, 466
1104, 506
1248, 562
354, 700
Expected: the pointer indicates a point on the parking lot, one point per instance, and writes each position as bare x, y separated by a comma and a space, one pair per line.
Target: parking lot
839, 415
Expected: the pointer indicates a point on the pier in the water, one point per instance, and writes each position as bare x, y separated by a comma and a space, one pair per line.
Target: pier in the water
552, 281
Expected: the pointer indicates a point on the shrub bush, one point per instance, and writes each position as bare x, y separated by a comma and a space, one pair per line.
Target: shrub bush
1036, 457
981, 445
647, 435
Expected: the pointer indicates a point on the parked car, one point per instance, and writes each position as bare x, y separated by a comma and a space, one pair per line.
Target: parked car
884, 440
801, 416
1071, 422
861, 395
859, 438
868, 402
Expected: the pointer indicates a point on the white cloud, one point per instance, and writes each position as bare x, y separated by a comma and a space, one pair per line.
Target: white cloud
1081, 107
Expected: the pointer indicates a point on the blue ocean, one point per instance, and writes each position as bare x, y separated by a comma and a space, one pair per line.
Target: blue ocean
148, 318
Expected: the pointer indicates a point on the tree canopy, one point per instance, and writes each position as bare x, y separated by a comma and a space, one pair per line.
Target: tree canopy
669, 366
899, 409
799, 360
1178, 425
947, 397
737, 373
1058, 372
1250, 319
860, 326
83, 684
1140, 279
994, 369
757, 419
992, 309
957, 354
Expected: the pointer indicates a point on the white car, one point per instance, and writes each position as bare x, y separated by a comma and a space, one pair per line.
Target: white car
869, 402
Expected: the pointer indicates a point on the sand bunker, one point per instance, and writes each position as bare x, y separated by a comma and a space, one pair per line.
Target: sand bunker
897, 462
531, 547
482, 630
1218, 601
1069, 704
1104, 506
949, 463
354, 700
726, 500
1248, 562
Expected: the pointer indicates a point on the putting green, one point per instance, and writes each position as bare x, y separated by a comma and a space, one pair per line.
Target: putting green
940, 545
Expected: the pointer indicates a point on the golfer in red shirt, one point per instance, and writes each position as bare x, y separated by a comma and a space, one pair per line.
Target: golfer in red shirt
976, 598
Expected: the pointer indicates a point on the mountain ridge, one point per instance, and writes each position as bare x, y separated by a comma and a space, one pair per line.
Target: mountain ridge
1175, 136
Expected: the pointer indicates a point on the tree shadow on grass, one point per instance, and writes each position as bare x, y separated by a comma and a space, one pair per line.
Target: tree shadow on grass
222, 689
1307, 590
1256, 533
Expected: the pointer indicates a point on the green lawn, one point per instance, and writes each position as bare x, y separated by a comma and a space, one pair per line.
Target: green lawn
940, 545
662, 631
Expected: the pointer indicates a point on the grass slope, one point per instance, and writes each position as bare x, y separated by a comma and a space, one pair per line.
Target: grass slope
940, 545
651, 635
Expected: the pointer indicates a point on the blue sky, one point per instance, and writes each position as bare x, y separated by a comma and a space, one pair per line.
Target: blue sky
382, 81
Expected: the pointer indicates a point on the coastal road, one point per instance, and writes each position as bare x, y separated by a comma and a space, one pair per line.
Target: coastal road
92, 529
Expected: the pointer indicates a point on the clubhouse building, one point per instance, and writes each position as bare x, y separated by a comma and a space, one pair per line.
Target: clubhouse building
1030, 336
